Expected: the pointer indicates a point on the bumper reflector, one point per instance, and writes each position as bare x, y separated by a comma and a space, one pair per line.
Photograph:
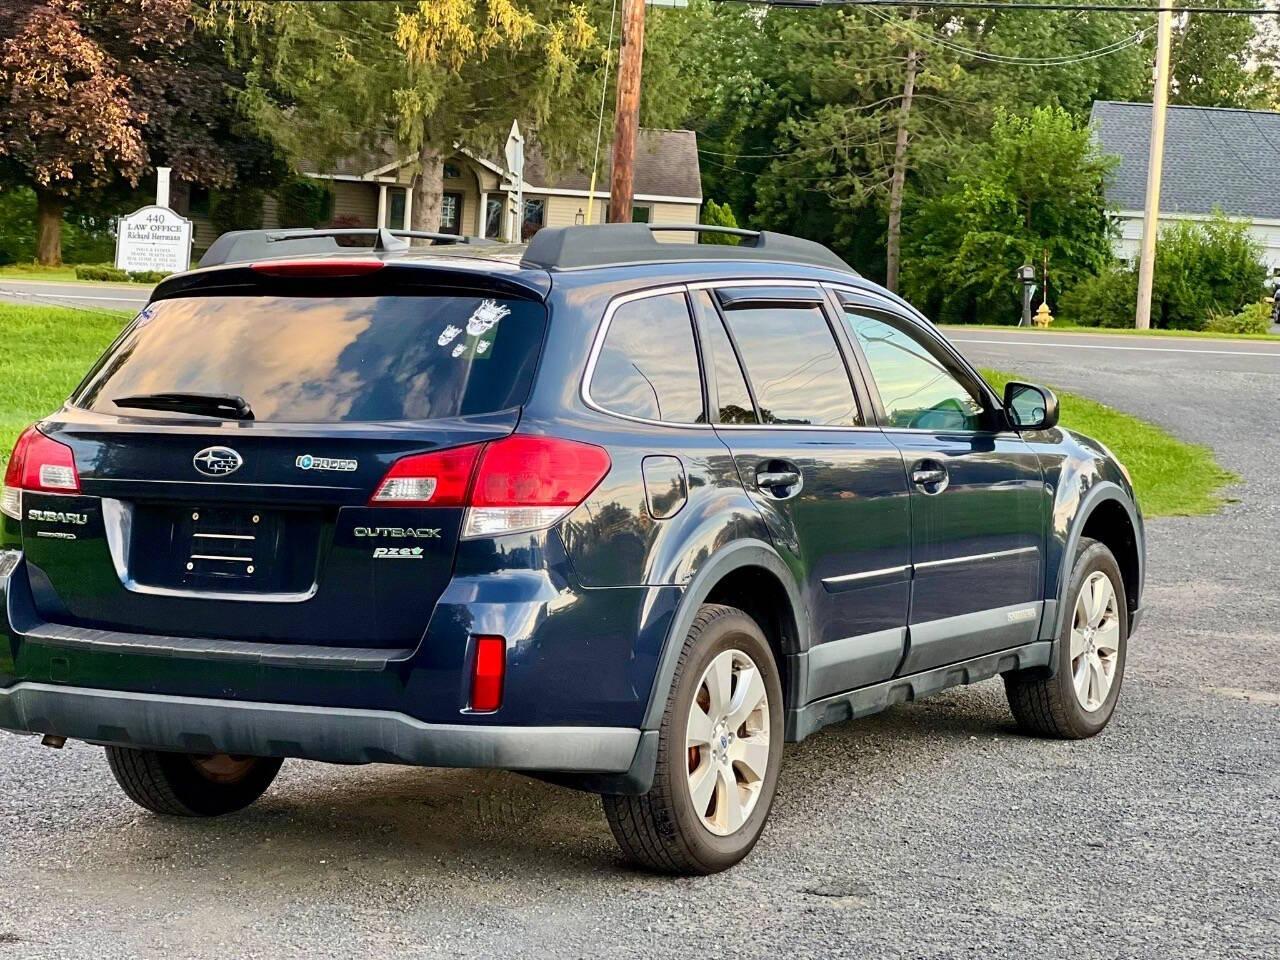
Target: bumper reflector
487, 673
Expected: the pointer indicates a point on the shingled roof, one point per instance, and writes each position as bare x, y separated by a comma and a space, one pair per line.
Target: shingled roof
1214, 158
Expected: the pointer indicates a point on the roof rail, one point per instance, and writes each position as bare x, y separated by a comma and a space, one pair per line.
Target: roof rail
245, 245
567, 248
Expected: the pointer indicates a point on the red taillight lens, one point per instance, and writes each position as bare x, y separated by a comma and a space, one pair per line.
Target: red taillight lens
318, 268
429, 479
526, 471
38, 464
487, 673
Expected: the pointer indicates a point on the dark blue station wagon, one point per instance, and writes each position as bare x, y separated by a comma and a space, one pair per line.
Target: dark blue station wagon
621, 513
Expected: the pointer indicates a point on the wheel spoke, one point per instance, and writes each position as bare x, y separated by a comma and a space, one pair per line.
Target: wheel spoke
1081, 678
1077, 643
1101, 599
719, 682
729, 801
1101, 681
752, 755
699, 732
1107, 639
746, 698
702, 782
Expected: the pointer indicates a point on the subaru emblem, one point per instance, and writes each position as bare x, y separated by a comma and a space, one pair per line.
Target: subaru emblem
217, 461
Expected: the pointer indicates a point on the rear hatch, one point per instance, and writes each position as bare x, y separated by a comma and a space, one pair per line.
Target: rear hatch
229, 447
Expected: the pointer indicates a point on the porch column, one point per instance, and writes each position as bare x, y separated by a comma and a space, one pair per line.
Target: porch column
408, 206
382, 205
482, 215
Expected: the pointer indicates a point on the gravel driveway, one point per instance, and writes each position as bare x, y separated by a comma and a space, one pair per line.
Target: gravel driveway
933, 830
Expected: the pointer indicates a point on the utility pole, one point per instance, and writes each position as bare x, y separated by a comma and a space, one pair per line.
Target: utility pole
627, 119
1155, 164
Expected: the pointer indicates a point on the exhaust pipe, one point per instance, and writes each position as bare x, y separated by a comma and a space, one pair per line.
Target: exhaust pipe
57, 743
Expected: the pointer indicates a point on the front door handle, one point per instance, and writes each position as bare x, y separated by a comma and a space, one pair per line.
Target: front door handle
779, 479
930, 476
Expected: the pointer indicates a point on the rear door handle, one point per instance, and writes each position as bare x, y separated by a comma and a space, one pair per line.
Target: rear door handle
930, 476
779, 479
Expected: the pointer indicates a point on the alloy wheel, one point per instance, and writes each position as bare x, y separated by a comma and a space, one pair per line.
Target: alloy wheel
1095, 641
727, 742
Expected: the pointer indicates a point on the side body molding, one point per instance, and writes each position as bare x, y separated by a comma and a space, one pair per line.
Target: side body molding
739, 554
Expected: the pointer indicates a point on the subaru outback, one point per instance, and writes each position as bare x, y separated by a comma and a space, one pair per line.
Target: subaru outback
622, 513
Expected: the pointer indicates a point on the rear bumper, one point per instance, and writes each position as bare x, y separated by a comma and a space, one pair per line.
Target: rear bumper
333, 734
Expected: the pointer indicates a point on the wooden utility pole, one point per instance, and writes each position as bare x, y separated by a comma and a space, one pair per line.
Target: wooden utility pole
1155, 165
893, 252
627, 118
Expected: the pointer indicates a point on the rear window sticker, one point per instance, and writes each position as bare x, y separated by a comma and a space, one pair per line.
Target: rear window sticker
448, 334
486, 316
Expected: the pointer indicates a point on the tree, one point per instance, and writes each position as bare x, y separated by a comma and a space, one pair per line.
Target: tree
719, 215
1036, 190
93, 93
420, 77
1221, 61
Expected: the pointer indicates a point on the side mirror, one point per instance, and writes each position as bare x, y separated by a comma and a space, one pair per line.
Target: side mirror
1030, 407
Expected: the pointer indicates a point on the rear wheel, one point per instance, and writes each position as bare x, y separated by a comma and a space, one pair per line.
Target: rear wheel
719, 750
1078, 701
191, 785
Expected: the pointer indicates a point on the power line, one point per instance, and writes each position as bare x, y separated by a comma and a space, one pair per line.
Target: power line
1015, 5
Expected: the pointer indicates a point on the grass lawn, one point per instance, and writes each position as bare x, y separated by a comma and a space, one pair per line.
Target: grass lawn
1072, 328
33, 271
49, 349
1172, 478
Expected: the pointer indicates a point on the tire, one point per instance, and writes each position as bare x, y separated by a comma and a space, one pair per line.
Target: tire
1052, 706
187, 785
662, 830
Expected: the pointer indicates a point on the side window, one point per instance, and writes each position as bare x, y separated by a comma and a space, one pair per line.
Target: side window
794, 365
734, 399
648, 364
918, 388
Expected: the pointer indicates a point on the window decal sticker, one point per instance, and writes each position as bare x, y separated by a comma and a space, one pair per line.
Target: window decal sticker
448, 335
486, 316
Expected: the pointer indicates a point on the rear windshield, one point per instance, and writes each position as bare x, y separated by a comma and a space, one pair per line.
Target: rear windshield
329, 359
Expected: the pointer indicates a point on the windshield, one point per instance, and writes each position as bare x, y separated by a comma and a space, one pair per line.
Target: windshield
327, 359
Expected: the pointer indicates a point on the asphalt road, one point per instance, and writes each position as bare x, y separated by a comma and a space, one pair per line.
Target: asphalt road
933, 830
86, 296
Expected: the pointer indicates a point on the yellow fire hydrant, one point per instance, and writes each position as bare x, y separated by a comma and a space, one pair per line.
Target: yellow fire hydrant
1043, 317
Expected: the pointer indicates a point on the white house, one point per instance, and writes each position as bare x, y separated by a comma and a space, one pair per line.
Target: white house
1215, 159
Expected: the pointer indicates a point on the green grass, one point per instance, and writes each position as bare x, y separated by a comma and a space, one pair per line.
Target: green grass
33, 271
47, 351
1172, 478
1074, 328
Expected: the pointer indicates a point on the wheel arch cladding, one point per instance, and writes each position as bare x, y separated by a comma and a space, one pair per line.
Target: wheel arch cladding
1107, 516
749, 575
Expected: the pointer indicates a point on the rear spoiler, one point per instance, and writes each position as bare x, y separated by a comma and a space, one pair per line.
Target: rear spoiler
241, 246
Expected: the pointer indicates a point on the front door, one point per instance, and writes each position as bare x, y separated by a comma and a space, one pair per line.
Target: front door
832, 491
978, 500
451, 212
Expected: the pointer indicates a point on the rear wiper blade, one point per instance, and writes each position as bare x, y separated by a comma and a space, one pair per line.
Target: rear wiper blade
227, 405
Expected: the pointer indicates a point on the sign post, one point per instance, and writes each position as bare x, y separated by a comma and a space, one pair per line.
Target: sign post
515, 167
153, 239
162, 186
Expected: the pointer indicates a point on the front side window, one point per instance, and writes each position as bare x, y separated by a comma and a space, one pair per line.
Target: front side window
794, 365
918, 389
648, 363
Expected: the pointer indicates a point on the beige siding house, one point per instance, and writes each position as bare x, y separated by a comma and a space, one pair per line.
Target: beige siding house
377, 191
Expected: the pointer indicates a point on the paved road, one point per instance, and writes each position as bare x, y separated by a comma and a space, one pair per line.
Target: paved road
88, 296
933, 830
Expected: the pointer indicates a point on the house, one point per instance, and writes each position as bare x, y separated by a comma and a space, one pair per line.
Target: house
1215, 160
374, 189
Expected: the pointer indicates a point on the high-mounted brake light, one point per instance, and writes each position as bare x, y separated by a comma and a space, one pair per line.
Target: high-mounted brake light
513, 485
38, 464
487, 673
318, 268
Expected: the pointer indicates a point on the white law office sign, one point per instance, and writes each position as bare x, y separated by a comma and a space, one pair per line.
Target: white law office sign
153, 238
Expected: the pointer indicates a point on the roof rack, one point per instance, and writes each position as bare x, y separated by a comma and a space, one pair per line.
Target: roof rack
244, 245
567, 248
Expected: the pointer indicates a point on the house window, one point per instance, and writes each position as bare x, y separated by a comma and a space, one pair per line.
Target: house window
395, 213
452, 172
535, 216
199, 201
493, 208
451, 213
642, 213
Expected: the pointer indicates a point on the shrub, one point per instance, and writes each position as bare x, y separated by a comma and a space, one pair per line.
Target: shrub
1203, 269
239, 208
719, 215
1254, 318
303, 202
100, 271
1106, 300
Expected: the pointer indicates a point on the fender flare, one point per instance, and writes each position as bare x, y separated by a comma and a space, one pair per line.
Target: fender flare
1099, 493
735, 556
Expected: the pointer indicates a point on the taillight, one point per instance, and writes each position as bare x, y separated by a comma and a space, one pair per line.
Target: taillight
429, 479
513, 485
318, 268
38, 464
487, 673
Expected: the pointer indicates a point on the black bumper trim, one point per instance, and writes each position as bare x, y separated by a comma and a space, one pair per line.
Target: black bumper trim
332, 734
